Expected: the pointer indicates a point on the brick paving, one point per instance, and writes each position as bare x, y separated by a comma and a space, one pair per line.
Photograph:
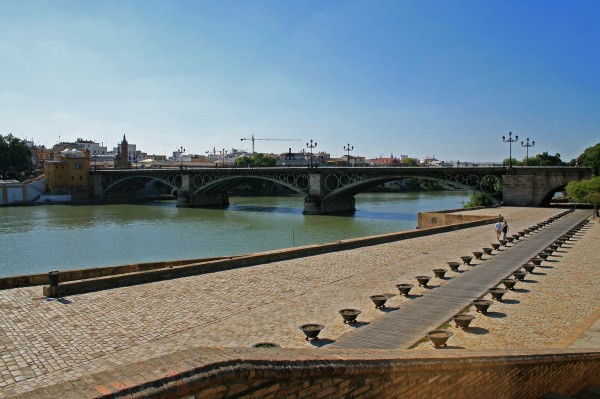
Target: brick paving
45, 342
553, 301
402, 328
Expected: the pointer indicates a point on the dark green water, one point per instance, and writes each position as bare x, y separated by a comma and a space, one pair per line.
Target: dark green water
43, 238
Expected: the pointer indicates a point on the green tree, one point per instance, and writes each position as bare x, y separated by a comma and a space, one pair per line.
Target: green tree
15, 157
513, 162
590, 158
585, 191
258, 160
545, 159
410, 162
479, 199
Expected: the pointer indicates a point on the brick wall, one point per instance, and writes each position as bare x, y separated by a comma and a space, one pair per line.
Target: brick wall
202, 373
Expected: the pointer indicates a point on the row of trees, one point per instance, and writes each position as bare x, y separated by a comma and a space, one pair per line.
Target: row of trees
543, 159
256, 159
15, 157
589, 158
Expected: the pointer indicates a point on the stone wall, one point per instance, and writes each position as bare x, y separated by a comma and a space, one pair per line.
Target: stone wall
427, 220
202, 373
534, 186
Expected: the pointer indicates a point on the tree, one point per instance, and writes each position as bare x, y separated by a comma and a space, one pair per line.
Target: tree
512, 161
256, 159
585, 191
410, 162
15, 156
479, 199
545, 159
590, 158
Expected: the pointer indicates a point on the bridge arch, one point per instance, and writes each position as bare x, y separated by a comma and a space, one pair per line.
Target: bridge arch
490, 184
217, 184
172, 181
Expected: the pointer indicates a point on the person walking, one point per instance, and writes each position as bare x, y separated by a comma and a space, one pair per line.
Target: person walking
504, 230
498, 229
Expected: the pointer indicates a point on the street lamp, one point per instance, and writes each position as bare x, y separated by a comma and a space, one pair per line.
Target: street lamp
311, 146
348, 148
527, 146
181, 151
223, 152
510, 141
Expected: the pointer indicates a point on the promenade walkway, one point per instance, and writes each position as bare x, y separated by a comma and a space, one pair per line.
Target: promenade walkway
404, 327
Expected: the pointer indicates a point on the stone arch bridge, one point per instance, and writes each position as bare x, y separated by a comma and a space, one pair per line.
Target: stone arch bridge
331, 190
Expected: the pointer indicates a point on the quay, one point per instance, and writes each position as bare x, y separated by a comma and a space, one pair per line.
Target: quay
106, 342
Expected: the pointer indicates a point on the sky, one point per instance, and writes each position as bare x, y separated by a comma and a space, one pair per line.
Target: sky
440, 78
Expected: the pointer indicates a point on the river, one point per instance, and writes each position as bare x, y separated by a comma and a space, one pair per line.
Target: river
38, 239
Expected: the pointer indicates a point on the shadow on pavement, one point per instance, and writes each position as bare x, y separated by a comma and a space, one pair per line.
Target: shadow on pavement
321, 342
477, 330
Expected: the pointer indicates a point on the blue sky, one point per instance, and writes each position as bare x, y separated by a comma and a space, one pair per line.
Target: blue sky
443, 78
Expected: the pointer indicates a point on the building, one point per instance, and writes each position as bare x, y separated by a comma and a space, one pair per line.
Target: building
124, 155
292, 159
69, 174
391, 161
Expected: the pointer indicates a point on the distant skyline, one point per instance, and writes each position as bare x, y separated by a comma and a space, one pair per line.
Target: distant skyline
415, 77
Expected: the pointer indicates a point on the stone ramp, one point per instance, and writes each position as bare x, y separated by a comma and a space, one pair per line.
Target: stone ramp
405, 326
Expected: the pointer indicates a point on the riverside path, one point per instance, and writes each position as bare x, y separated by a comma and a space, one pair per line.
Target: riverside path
410, 323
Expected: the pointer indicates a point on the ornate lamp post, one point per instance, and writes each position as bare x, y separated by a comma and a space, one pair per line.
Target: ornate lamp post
527, 150
348, 148
311, 146
223, 152
181, 151
510, 141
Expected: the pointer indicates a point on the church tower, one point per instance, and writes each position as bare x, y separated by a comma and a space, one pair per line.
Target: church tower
122, 157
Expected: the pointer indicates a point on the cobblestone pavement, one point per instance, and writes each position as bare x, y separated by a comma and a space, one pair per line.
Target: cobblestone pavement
44, 342
540, 312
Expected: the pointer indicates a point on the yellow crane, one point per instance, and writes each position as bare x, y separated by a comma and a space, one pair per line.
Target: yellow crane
253, 139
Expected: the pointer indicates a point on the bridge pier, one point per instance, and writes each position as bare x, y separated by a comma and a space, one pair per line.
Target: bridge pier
534, 186
97, 189
202, 200
317, 206
316, 203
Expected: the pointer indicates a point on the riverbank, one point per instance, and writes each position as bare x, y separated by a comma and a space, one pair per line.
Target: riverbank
90, 333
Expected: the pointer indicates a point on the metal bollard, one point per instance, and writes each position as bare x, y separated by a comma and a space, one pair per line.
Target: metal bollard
53, 277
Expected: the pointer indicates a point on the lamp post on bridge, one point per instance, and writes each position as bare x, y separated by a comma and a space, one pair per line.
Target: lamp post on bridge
223, 152
348, 149
527, 150
510, 141
311, 146
181, 151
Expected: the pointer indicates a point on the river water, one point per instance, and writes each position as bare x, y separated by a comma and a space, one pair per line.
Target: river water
38, 239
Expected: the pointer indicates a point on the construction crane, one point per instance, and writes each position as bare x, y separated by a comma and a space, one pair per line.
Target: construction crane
252, 138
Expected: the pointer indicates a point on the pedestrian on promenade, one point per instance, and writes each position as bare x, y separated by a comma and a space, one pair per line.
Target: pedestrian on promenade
498, 229
504, 230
